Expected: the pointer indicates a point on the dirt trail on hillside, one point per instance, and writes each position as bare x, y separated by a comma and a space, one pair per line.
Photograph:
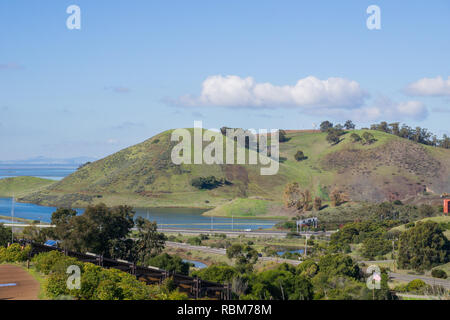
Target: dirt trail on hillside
17, 284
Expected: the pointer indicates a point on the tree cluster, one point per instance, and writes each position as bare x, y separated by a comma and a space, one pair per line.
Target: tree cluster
106, 231
423, 247
294, 197
209, 183
417, 134
96, 283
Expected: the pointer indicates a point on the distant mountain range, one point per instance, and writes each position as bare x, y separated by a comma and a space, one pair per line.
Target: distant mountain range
53, 161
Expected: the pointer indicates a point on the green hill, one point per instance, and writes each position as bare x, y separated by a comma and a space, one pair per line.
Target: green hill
19, 186
438, 219
144, 176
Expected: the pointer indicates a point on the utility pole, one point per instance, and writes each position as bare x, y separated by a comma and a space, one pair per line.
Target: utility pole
232, 221
393, 252
306, 244
12, 220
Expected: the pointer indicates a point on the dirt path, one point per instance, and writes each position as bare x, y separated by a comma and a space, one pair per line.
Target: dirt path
17, 284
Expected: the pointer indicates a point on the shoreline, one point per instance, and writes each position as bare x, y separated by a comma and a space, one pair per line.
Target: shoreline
206, 209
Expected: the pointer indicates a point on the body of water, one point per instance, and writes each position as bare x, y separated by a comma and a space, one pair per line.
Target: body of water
197, 264
193, 219
185, 218
164, 217
53, 172
300, 251
27, 210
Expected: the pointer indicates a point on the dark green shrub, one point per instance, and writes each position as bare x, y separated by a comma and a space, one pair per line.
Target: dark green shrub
416, 285
208, 183
438, 273
299, 156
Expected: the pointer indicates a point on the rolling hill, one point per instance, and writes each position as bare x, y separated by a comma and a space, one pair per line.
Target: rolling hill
144, 176
19, 186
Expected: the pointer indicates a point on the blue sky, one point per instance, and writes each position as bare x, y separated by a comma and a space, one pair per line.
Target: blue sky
137, 68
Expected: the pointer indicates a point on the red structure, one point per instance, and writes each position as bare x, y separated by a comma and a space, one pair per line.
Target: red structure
446, 206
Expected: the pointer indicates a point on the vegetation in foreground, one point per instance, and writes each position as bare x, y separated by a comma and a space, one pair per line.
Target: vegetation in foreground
329, 272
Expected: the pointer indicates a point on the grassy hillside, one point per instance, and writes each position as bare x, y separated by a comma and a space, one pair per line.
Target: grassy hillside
144, 176
438, 219
19, 186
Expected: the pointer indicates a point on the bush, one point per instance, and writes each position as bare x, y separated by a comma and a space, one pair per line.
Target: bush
299, 156
14, 253
438, 273
333, 138
5, 235
169, 263
416, 285
208, 183
368, 138
355, 137
44, 262
217, 273
195, 241
282, 136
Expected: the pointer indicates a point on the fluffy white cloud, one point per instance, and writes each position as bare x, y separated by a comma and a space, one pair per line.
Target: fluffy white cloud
309, 92
335, 97
430, 87
385, 109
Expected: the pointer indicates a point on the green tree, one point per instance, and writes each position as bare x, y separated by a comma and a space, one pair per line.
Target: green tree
349, 125
5, 235
368, 138
325, 126
62, 220
375, 246
34, 233
150, 242
339, 265
355, 137
282, 137
217, 273
244, 255
94, 230
169, 263
423, 247
299, 156
333, 137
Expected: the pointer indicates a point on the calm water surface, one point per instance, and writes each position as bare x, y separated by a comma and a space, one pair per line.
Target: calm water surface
164, 217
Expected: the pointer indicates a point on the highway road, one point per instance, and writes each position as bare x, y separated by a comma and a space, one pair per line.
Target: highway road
427, 280
252, 233
231, 233
224, 252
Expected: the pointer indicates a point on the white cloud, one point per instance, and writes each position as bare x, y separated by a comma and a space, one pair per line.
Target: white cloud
430, 87
338, 98
307, 93
385, 109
